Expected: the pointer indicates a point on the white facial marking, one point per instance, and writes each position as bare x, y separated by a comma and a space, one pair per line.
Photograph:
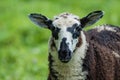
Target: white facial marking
64, 34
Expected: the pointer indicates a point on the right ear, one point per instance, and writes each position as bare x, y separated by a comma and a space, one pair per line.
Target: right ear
40, 20
91, 18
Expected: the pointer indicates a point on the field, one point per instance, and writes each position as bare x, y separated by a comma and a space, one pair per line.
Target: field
23, 45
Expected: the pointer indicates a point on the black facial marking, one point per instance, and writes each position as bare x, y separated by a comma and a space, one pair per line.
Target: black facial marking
64, 52
75, 30
63, 44
55, 32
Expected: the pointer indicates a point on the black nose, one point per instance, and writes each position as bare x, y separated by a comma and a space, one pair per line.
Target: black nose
64, 55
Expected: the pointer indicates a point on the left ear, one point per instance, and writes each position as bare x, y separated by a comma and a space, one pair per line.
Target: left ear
40, 20
91, 18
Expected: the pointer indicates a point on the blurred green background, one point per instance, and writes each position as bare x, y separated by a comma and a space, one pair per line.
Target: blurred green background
23, 46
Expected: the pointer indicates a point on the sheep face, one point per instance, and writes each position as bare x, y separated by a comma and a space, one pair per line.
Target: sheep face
66, 30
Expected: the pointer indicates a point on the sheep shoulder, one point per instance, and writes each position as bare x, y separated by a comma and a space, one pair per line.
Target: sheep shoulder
102, 59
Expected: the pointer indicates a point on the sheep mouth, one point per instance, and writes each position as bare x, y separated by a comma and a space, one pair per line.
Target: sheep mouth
65, 60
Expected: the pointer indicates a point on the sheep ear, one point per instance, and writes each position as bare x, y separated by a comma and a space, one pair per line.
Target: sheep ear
91, 18
40, 20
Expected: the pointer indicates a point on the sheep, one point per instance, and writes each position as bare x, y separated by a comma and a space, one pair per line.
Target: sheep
75, 54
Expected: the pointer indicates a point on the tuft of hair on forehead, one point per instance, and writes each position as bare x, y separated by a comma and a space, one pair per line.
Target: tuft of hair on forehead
66, 15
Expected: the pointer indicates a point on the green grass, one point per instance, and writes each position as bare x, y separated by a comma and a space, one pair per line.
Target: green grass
23, 46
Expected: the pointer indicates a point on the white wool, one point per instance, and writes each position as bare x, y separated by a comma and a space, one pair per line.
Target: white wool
116, 54
66, 14
105, 27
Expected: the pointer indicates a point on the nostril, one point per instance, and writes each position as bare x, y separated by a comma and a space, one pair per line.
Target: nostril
69, 53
